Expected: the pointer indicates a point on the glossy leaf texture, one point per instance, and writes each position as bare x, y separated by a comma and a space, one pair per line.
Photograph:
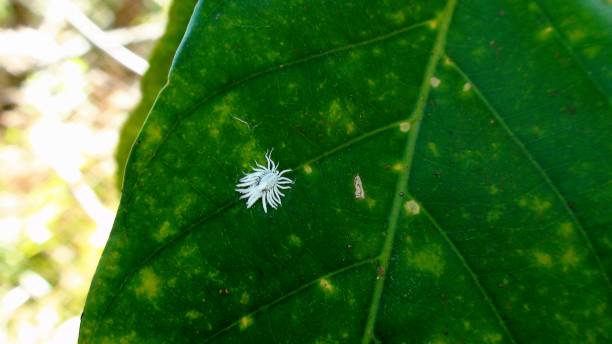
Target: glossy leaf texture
154, 79
479, 131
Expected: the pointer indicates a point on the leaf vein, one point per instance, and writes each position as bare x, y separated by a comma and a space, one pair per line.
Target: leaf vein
496, 115
293, 292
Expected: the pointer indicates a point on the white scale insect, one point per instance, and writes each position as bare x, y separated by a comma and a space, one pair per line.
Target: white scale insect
264, 182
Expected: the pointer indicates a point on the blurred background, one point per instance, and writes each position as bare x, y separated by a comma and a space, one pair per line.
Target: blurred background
69, 76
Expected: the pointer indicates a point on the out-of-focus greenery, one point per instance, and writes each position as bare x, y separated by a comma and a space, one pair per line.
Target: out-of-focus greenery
59, 121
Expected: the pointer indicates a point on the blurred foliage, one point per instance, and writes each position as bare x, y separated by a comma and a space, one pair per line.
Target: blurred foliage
154, 79
61, 106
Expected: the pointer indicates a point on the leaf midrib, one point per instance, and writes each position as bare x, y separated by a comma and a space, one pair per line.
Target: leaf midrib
402, 184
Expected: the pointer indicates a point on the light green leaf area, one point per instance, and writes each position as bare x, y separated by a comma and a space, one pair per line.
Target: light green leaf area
153, 80
480, 132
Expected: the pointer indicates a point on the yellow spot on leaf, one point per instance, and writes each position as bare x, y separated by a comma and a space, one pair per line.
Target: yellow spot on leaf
153, 133
492, 338
577, 35
399, 167
493, 190
326, 285
404, 127
535, 203
148, 283
163, 232
295, 240
543, 259
193, 314
214, 132
223, 109
350, 127
467, 87
433, 148
245, 322
244, 298
545, 33
307, 169
566, 229
398, 17
335, 110
570, 258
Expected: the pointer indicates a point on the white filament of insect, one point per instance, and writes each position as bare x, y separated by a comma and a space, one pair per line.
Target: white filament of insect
264, 182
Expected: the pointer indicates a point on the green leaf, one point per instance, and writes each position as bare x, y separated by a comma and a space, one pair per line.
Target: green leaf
153, 80
480, 132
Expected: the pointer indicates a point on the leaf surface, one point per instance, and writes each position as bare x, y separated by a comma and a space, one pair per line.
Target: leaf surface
154, 79
480, 133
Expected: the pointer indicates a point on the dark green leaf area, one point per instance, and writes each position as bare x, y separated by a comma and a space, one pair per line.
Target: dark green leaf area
477, 130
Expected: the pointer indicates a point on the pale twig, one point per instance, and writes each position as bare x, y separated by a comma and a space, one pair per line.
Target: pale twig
101, 39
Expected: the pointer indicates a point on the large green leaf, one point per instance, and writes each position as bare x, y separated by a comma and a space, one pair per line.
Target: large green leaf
154, 79
480, 131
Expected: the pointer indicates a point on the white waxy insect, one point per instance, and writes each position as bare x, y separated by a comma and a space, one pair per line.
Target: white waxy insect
264, 182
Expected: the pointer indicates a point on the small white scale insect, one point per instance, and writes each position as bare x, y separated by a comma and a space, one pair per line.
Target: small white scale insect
264, 182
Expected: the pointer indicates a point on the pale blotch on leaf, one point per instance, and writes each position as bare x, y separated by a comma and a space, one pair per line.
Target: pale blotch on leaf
404, 127
543, 259
295, 240
433, 148
245, 322
434, 82
569, 259
545, 33
398, 17
576, 35
148, 283
245, 298
163, 232
308, 169
326, 286
592, 51
350, 127
214, 132
398, 167
467, 87
429, 259
566, 229
492, 338
193, 314
335, 110
153, 134
412, 207
535, 203
493, 190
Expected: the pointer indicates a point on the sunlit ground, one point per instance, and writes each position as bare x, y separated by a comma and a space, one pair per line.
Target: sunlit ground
62, 102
